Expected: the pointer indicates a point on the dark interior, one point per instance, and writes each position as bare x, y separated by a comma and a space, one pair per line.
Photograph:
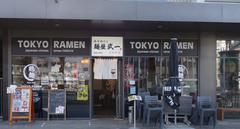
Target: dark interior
104, 98
1, 86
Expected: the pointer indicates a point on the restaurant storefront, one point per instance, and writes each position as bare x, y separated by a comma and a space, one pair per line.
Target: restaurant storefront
73, 63
144, 27
63, 64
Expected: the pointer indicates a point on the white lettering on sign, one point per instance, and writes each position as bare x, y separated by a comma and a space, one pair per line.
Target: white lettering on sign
33, 43
144, 45
180, 45
166, 45
69, 44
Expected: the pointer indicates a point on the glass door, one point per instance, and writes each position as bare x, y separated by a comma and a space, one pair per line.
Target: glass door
106, 87
1, 79
1, 97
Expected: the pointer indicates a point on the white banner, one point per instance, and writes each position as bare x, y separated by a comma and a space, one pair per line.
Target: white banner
107, 46
105, 69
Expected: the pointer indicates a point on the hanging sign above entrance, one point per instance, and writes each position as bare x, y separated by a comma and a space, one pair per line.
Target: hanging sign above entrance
30, 46
107, 46
105, 68
142, 47
185, 47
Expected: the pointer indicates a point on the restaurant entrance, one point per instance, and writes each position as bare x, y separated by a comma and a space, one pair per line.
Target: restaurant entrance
106, 87
104, 98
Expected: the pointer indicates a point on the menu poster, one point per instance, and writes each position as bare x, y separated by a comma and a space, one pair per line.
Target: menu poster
82, 93
129, 72
21, 100
25, 100
75, 71
21, 104
17, 102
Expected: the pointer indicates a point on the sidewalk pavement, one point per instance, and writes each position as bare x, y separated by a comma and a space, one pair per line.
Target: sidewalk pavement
103, 123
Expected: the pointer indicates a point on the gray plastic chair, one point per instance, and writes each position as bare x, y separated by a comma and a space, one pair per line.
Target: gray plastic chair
152, 108
140, 104
206, 108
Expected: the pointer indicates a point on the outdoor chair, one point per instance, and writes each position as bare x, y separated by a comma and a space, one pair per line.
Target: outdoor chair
152, 109
140, 104
206, 109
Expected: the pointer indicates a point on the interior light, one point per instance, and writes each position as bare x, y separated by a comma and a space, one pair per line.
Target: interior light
85, 61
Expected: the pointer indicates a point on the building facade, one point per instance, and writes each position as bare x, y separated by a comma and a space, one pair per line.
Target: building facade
70, 40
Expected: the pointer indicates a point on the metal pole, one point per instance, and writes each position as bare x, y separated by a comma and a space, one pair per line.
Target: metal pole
134, 114
175, 117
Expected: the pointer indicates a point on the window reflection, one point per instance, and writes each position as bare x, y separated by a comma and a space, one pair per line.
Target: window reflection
228, 73
153, 72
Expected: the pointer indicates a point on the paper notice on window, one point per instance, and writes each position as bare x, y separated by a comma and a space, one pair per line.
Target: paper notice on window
132, 82
55, 68
11, 89
59, 110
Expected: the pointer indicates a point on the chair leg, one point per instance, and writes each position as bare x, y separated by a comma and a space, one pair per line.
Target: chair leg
161, 120
148, 117
139, 113
214, 119
201, 119
167, 119
144, 117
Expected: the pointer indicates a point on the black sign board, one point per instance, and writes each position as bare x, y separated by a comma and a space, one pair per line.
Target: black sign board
57, 101
142, 47
185, 47
30, 46
71, 46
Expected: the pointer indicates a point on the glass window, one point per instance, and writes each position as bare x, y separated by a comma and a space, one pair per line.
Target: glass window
70, 73
18, 64
228, 73
153, 72
190, 76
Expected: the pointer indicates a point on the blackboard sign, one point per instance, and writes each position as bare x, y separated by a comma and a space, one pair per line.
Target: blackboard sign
57, 102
